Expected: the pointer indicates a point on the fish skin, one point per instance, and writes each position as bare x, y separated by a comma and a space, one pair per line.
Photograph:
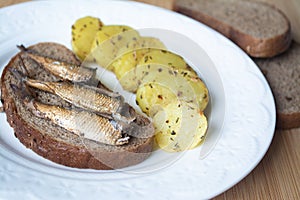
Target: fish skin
101, 101
80, 122
82, 96
124, 118
64, 70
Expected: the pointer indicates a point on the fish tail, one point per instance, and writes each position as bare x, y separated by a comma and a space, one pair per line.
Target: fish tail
22, 48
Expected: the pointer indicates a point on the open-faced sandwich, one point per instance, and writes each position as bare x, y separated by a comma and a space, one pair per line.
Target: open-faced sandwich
56, 112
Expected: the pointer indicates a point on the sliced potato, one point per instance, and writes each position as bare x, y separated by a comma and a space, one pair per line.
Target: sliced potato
109, 31
151, 42
109, 41
131, 55
200, 131
141, 74
152, 96
164, 57
199, 88
179, 126
157, 58
83, 35
144, 43
127, 62
168, 69
187, 87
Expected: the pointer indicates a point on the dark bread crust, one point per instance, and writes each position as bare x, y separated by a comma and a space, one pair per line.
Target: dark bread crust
77, 156
288, 120
253, 46
282, 73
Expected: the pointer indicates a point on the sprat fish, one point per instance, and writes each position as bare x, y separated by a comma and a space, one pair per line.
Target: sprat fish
86, 124
98, 100
64, 70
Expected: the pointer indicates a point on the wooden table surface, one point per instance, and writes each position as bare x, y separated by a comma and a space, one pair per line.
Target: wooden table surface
277, 176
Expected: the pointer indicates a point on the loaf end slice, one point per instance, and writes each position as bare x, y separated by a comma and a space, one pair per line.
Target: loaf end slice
261, 30
283, 74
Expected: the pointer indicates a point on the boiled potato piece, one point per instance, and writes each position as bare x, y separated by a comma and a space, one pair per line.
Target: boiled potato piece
179, 126
131, 55
109, 41
83, 35
161, 74
151, 42
167, 58
157, 58
144, 43
199, 88
183, 83
127, 62
151, 97
200, 131
168, 69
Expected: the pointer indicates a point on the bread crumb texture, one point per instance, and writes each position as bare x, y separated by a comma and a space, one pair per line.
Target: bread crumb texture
283, 75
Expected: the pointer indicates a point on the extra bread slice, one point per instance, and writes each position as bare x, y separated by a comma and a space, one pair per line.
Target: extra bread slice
53, 142
258, 28
283, 75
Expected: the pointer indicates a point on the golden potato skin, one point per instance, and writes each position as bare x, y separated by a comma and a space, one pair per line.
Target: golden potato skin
179, 127
83, 35
110, 43
165, 58
132, 54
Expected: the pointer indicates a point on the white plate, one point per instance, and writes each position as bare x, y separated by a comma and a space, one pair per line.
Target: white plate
237, 88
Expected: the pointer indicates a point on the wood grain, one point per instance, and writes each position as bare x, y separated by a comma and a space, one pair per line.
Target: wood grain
276, 177
4, 3
168, 4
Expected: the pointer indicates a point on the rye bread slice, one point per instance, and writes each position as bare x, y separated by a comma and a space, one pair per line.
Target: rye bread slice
51, 141
259, 29
283, 75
